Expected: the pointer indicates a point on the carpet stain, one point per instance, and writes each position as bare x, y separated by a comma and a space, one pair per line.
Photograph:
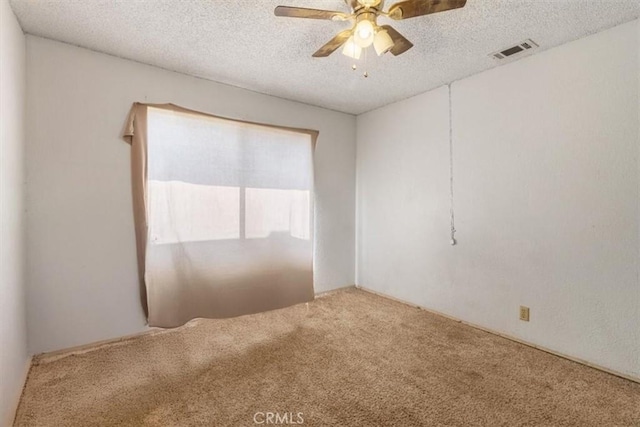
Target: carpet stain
350, 359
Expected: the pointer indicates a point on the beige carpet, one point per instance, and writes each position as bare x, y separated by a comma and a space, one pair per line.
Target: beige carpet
349, 359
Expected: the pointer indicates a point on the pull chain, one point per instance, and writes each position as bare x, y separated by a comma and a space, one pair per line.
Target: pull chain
366, 73
453, 227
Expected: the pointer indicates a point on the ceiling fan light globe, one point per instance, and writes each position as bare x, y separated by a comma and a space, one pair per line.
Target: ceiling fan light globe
382, 42
364, 33
351, 49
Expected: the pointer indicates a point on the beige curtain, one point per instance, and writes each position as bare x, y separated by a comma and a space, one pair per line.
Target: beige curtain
223, 213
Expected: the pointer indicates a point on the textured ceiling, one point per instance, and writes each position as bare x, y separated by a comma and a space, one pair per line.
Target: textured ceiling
243, 44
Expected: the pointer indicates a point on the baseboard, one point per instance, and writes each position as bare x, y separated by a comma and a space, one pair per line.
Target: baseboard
509, 337
332, 291
55, 355
85, 348
11, 416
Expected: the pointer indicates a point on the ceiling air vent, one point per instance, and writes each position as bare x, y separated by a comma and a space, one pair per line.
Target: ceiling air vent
515, 50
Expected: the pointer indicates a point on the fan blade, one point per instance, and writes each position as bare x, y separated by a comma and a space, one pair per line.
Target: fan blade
301, 12
412, 8
400, 43
353, 4
333, 44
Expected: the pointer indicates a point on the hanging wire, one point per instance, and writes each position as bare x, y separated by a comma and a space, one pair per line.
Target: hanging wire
366, 73
453, 227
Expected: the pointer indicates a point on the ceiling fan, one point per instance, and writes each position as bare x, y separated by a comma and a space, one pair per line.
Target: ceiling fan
365, 30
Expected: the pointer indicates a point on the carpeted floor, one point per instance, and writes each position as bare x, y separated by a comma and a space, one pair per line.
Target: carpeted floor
348, 359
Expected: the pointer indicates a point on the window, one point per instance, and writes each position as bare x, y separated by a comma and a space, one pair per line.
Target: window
229, 207
214, 179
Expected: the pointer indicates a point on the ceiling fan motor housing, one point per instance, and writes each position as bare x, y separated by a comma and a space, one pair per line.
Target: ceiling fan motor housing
368, 15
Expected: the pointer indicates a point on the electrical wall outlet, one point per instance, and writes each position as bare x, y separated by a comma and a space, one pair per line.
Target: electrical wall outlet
524, 313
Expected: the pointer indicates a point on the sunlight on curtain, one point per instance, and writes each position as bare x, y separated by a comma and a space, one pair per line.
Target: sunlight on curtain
230, 217
271, 211
182, 212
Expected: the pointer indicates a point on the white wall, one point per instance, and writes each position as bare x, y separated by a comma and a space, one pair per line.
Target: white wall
14, 360
82, 270
546, 199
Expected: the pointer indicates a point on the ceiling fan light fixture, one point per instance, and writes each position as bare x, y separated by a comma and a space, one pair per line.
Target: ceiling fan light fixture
382, 42
364, 33
351, 49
